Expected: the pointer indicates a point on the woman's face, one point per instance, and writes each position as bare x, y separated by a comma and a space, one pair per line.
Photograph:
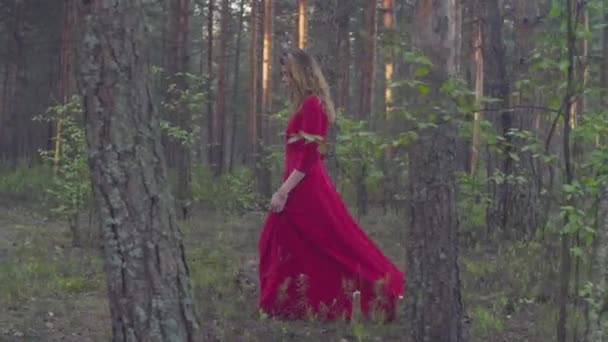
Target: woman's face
285, 76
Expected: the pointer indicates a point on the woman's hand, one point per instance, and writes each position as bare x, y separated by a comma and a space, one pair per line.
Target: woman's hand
277, 203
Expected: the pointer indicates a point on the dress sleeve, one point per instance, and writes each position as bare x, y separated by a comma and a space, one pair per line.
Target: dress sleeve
313, 125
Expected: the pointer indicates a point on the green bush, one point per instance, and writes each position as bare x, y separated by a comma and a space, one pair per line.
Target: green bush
24, 181
232, 193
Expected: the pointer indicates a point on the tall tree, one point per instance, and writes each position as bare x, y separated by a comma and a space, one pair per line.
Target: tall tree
366, 99
66, 73
253, 84
302, 23
388, 21
264, 175
210, 76
235, 84
219, 119
477, 58
148, 280
178, 66
496, 85
434, 308
343, 47
13, 68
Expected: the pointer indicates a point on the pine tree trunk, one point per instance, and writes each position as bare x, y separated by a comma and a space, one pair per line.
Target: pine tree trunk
434, 309
264, 174
148, 279
9, 133
302, 24
219, 124
211, 118
344, 54
253, 85
235, 85
66, 74
366, 101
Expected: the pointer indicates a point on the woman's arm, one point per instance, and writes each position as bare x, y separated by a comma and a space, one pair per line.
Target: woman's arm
291, 182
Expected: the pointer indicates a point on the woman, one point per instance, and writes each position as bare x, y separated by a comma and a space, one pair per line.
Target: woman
314, 259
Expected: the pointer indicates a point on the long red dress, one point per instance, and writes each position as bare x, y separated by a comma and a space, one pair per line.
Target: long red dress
313, 255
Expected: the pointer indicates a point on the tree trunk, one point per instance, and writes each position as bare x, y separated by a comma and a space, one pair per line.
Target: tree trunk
219, 122
210, 115
66, 74
148, 279
477, 59
344, 55
235, 85
566, 260
264, 175
302, 23
178, 62
496, 85
366, 101
433, 307
253, 85
9, 130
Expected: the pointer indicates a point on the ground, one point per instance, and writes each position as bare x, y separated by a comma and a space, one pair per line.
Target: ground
50, 291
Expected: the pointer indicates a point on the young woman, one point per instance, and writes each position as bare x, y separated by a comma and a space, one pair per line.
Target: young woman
314, 258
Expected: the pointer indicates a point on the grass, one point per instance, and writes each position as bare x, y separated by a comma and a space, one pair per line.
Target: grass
38, 274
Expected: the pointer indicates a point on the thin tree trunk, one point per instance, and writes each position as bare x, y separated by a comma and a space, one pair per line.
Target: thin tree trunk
477, 58
434, 308
366, 101
264, 175
302, 24
496, 85
566, 260
65, 78
389, 180
235, 84
148, 280
388, 65
210, 115
253, 85
14, 67
219, 125
344, 54
179, 63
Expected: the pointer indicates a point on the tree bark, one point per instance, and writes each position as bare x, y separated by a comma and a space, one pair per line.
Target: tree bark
210, 114
264, 175
219, 122
178, 63
433, 307
366, 101
235, 84
496, 85
253, 84
302, 24
9, 130
148, 280
66, 73
344, 54
478, 62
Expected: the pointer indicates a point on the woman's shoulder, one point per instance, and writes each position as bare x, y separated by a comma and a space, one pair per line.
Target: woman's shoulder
311, 103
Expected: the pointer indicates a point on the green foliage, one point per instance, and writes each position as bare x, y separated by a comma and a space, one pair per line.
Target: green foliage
232, 193
472, 203
486, 323
70, 188
30, 273
25, 181
185, 97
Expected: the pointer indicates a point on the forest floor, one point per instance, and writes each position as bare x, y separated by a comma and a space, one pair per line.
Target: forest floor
50, 291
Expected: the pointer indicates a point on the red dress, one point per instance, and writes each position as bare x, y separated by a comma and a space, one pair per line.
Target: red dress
313, 255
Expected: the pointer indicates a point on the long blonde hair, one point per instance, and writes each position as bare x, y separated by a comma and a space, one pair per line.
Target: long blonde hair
307, 79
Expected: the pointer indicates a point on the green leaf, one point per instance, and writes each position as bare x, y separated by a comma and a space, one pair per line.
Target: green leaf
423, 88
420, 72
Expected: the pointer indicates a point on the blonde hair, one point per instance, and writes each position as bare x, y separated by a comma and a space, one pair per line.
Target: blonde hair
307, 79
